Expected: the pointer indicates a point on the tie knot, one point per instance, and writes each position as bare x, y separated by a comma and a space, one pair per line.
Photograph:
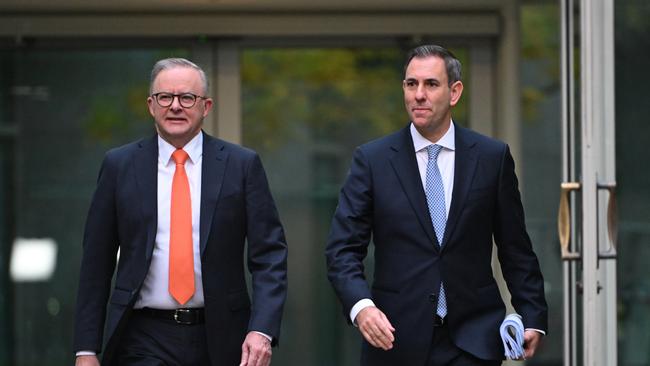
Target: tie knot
180, 156
433, 151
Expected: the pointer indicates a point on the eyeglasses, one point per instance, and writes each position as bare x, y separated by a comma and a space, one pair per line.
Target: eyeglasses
186, 100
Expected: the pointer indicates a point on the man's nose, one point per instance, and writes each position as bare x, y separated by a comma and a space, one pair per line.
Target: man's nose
176, 103
419, 93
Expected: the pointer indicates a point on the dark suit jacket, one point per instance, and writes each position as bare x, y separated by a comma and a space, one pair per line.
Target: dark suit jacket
383, 198
236, 206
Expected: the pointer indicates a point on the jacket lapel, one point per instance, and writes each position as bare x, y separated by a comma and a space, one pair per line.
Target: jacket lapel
146, 176
464, 168
215, 158
406, 168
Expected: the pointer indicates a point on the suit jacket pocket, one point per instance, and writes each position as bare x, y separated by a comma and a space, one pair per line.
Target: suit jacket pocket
229, 198
479, 193
121, 297
489, 294
238, 300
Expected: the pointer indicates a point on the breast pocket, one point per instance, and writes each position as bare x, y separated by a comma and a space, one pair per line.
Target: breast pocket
230, 199
479, 194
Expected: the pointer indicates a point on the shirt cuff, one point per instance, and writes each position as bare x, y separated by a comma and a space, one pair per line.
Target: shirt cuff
356, 309
265, 335
85, 353
537, 330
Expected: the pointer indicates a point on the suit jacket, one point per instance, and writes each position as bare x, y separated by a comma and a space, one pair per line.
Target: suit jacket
383, 199
236, 206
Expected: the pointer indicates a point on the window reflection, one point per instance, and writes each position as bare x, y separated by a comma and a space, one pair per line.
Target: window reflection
304, 111
60, 111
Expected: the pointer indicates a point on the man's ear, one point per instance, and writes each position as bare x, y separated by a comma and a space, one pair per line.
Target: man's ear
207, 106
456, 90
150, 106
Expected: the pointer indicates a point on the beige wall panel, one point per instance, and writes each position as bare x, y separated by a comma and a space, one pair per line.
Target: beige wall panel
483, 24
244, 5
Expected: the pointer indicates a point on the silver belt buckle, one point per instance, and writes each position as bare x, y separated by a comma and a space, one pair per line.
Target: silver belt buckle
177, 317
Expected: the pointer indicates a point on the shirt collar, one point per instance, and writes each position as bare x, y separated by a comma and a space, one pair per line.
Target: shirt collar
194, 149
447, 141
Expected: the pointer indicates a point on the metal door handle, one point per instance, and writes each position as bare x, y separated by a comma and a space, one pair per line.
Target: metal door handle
612, 221
564, 220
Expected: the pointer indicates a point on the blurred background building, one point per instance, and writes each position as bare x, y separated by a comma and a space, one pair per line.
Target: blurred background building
303, 83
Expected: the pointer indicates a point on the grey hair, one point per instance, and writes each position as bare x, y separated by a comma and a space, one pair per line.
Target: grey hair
170, 63
451, 62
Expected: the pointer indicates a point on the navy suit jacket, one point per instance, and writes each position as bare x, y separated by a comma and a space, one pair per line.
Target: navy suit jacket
236, 206
383, 199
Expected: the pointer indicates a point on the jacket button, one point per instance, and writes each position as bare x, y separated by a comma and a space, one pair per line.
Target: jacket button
433, 297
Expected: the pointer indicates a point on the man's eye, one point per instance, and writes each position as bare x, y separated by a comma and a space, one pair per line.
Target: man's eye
187, 98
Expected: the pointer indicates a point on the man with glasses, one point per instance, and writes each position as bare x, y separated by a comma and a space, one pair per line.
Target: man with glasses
179, 207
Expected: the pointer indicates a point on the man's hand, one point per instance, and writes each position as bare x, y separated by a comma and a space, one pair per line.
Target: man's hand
532, 340
375, 328
87, 361
256, 350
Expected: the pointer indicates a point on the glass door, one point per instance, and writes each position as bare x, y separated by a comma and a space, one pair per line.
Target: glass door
587, 219
632, 46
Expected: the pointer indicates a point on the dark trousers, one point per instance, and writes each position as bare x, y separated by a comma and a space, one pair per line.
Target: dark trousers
152, 341
444, 352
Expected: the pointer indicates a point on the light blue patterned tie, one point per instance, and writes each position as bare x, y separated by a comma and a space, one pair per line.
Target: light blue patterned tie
435, 192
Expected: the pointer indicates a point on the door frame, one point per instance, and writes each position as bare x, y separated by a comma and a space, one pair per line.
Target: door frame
588, 233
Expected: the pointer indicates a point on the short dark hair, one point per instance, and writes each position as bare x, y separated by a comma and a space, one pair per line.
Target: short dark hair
431, 50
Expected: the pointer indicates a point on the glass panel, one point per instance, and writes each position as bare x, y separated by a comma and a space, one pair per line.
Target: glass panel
69, 107
6, 211
540, 169
632, 32
304, 111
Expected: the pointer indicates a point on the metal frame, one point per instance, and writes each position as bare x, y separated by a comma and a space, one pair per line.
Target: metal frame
570, 355
598, 167
596, 220
229, 120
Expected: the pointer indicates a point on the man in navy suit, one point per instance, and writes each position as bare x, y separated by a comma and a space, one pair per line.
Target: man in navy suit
433, 197
228, 203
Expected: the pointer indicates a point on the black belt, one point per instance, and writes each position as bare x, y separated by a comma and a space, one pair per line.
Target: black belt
179, 316
438, 321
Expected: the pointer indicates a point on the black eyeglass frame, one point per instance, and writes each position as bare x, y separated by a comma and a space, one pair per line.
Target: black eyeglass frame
180, 99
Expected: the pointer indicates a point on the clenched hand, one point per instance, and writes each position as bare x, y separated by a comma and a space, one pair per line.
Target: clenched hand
532, 340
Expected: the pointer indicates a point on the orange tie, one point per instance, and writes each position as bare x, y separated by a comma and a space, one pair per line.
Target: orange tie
181, 258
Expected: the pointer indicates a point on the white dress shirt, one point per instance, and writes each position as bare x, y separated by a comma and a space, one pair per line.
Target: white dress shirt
446, 160
155, 289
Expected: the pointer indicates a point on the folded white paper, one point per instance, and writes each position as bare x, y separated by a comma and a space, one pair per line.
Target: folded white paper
512, 334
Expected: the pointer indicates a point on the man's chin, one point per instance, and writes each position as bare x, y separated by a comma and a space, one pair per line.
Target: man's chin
177, 137
420, 122
177, 129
